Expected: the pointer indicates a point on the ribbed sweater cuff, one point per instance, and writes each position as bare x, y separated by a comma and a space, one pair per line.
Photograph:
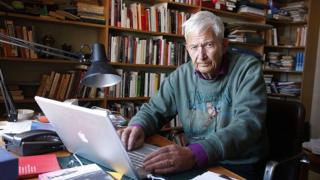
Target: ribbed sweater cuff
200, 155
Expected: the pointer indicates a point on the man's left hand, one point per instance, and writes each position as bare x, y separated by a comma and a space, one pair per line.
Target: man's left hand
168, 159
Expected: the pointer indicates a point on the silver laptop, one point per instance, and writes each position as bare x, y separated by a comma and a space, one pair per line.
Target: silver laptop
90, 134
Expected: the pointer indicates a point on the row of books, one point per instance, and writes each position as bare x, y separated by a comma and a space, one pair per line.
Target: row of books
190, 2
127, 110
155, 50
136, 84
7, 27
15, 92
156, 18
229, 5
276, 60
292, 11
272, 37
275, 86
63, 86
91, 12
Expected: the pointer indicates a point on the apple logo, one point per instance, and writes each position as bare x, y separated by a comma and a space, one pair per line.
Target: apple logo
82, 137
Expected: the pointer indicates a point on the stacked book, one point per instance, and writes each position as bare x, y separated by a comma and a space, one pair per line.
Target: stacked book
268, 80
15, 91
296, 10
281, 62
246, 6
289, 88
227, 5
89, 12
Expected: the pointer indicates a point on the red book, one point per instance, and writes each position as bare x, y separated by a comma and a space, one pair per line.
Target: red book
32, 166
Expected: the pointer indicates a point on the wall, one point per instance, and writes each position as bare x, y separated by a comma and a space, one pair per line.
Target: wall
315, 113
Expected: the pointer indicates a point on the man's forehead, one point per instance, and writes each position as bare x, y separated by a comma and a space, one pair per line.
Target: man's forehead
203, 36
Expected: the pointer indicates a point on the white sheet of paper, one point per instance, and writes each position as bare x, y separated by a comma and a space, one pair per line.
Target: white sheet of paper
211, 175
15, 127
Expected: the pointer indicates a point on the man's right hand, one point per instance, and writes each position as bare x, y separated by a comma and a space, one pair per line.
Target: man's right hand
132, 137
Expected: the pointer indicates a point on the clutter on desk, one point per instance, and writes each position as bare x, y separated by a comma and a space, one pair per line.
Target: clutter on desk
25, 114
8, 165
32, 166
32, 142
313, 145
90, 171
116, 118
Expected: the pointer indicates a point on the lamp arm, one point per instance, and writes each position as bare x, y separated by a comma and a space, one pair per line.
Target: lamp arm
40, 48
8, 101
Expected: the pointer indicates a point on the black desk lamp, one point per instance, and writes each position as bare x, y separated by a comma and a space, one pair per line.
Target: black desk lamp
8, 101
100, 73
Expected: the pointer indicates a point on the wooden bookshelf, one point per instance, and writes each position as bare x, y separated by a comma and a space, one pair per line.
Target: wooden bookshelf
40, 60
281, 71
142, 66
150, 33
104, 31
243, 16
127, 98
49, 20
284, 47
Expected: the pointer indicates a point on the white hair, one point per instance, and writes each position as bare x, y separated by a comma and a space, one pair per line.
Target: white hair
203, 20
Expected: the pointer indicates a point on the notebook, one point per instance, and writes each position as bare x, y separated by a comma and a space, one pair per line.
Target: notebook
90, 134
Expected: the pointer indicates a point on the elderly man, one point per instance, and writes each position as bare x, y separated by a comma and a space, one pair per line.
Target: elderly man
220, 98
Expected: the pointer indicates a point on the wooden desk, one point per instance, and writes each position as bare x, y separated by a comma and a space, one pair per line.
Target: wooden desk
314, 161
162, 141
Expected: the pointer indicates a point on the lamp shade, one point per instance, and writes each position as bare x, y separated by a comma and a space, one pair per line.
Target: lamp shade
100, 73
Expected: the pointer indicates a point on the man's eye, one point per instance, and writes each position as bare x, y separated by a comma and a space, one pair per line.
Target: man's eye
193, 47
209, 45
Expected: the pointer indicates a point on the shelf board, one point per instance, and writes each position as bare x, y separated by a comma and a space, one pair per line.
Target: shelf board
245, 16
31, 100
90, 99
282, 71
128, 98
282, 95
285, 22
50, 19
245, 44
40, 60
142, 66
21, 101
285, 47
180, 5
144, 32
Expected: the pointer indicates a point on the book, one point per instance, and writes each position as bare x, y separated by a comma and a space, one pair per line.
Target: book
90, 171
31, 166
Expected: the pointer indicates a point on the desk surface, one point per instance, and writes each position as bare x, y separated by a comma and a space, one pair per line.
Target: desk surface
161, 141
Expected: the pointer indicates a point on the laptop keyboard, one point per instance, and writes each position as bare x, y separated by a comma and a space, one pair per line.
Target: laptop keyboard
137, 156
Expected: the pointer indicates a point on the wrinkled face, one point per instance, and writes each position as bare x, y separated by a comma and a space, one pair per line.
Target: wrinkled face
205, 50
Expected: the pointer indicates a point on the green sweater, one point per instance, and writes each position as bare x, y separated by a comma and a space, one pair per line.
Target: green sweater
225, 116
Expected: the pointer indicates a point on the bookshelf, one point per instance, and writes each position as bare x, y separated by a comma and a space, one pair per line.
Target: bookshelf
70, 31
25, 73
296, 38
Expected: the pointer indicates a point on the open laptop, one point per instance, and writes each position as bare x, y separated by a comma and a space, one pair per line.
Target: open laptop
90, 134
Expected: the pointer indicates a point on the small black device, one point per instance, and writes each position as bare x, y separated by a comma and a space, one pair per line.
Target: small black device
33, 142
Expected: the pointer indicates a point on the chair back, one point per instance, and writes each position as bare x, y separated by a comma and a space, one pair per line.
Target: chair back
285, 124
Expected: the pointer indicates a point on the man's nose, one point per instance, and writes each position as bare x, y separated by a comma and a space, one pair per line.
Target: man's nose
202, 54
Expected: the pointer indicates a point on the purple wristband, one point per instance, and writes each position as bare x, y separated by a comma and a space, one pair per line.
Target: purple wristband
200, 155
137, 125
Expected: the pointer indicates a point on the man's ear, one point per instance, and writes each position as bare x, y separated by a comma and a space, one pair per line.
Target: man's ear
225, 45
